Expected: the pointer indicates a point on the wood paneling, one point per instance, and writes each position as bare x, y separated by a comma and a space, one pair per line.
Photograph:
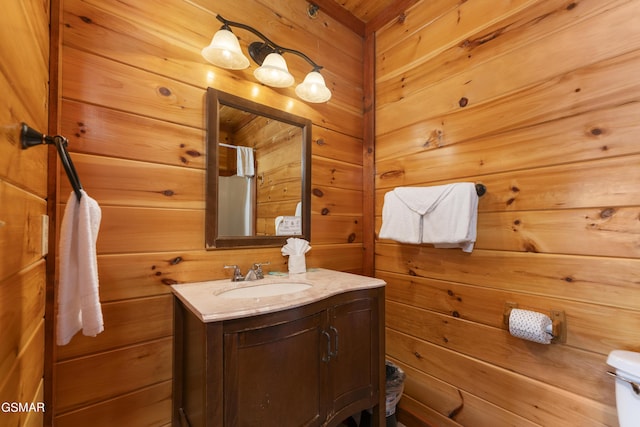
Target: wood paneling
21, 229
167, 41
24, 83
132, 100
537, 101
94, 378
96, 130
23, 311
142, 407
125, 318
23, 379
139, 183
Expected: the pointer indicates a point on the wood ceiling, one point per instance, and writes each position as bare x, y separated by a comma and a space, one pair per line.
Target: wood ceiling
363, 16
365, 10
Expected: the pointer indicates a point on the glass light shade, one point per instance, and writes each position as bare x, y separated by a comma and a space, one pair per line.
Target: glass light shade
224, 51
313, 89
274, 71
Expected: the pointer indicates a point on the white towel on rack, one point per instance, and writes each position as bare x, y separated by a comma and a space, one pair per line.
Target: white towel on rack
78, 296
444, 215
399, 222
245, 162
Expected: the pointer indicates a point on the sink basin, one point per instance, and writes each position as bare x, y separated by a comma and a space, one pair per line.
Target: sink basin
265, 290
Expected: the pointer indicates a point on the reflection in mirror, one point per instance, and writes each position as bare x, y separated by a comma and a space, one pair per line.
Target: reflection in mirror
258, 173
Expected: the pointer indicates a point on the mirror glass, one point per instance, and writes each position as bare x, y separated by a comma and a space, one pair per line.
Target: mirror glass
258, 173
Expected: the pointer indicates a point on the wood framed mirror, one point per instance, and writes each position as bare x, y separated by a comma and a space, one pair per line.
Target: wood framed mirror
258, 188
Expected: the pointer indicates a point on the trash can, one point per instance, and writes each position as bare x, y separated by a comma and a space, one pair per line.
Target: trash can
395, 386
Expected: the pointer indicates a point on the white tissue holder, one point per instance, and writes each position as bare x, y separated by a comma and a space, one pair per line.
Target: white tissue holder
558, 319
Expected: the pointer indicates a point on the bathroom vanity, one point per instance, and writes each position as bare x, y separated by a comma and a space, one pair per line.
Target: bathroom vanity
305, 350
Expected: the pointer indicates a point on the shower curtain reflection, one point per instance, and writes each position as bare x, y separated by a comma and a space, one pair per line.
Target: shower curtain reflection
235, 206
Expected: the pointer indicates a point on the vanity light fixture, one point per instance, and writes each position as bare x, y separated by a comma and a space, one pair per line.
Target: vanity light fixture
224, 51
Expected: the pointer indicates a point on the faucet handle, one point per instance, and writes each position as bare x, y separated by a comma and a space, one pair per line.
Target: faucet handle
237, 275
257, 267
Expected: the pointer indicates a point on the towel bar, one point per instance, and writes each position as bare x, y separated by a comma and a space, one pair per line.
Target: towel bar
31, 137
481, 189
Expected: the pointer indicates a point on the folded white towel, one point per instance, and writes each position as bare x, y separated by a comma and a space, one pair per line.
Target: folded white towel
295, 246
295, 249
78, 296
399, 222
444, 215
452, 221
245, 161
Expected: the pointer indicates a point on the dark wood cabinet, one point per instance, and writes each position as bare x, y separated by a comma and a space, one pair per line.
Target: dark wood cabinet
274, 372
313, 365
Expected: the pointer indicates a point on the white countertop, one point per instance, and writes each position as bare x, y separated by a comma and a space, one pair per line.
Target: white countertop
204, 299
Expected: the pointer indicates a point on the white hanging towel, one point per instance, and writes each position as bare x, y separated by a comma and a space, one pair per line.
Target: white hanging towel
78, 296
444, 215
245, 162
399, 222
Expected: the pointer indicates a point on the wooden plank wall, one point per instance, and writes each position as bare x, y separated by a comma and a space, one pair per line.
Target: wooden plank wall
278, 169
538, 100
24, 77
132, 104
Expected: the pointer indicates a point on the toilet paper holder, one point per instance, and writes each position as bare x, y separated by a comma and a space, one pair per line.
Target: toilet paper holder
558, 320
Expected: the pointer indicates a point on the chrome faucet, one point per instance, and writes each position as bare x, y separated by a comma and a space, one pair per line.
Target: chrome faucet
237, 275
254, 273
257, 270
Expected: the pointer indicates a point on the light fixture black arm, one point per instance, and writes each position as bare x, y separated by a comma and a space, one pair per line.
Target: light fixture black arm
256, 53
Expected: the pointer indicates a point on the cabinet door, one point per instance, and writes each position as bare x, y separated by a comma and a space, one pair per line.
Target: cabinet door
354, 354
274, 374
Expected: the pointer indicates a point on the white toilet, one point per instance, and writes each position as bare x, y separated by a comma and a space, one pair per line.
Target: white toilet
627, 364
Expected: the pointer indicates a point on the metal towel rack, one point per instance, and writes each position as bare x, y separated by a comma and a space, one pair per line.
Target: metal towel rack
31, 137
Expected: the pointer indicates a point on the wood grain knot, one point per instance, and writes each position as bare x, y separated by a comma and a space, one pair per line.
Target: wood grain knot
434, 138
463, 102
351, 238
607, 213
324, 211
317, 192
392, 174
454, 413
164, 91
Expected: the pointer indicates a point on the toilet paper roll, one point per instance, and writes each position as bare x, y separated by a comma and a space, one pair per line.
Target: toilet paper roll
530, 326
297, 264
